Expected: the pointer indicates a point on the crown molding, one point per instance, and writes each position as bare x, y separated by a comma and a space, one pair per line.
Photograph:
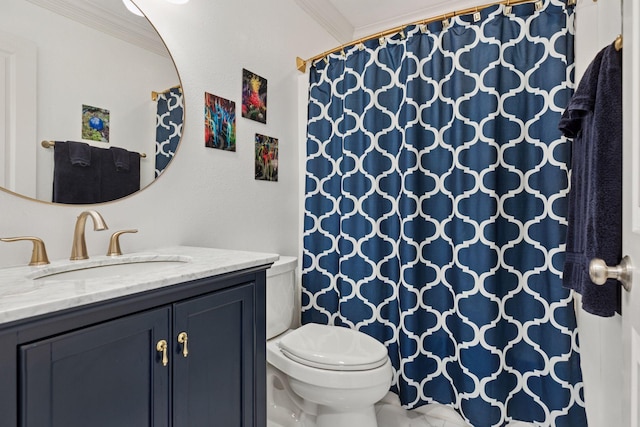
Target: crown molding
326, 14
332, 19
95, 14
436, 8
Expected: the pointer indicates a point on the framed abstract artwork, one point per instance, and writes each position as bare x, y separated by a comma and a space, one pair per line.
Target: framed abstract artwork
219, 123
254, 97
266, 158
95, 123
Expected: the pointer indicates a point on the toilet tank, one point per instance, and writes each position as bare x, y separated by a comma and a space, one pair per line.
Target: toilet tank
281, 295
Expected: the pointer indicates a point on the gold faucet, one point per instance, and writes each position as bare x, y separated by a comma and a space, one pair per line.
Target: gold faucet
114, 242
39, 253
79, 248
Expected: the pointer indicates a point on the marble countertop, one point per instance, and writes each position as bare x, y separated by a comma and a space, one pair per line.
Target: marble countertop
29, 291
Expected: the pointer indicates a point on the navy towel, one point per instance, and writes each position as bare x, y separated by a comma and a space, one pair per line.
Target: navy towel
120, 158
75, 179
120, 173
593, 119
83, 174
79, 153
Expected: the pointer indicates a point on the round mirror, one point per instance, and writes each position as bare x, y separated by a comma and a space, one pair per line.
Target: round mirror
84, 77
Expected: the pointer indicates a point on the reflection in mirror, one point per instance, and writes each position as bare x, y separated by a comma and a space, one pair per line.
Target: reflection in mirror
61, 55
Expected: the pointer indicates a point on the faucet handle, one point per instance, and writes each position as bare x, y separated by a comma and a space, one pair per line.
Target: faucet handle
39, 254
114, 242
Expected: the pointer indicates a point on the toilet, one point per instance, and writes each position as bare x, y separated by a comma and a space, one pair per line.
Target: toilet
318, 375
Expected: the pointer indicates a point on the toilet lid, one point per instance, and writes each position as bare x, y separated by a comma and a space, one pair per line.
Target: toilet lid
333, 348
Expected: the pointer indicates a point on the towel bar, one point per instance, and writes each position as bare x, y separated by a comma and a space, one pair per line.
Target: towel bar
49, 144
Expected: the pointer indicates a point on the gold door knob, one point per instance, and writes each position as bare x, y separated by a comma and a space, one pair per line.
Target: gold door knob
182, 339
599, 272
161, 347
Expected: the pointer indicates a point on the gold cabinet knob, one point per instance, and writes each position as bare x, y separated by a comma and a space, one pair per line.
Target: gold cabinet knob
183, 338
161, 347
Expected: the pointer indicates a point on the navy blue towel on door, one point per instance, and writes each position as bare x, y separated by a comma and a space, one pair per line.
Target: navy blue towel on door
593, 119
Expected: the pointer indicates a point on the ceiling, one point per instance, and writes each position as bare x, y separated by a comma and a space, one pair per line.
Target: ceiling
110, 17
348, 20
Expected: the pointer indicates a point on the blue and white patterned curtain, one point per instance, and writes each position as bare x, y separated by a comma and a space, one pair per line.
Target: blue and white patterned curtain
436, 190
169, 120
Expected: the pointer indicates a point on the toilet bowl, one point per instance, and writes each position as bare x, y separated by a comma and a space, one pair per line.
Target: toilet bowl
318, 375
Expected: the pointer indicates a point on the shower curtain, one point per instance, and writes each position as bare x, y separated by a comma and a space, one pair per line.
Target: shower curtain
436, 191
169, 118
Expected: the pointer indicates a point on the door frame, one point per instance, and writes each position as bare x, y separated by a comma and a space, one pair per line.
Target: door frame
18, 113
631, 211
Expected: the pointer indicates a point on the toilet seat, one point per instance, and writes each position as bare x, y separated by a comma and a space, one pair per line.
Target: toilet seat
333, 348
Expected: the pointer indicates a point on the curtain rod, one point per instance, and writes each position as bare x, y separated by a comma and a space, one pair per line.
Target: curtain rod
154, 94
301, 64
50, 144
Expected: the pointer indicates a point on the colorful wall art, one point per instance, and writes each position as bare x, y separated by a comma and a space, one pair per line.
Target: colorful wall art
254, 97
95, 123
219, 123
266, 158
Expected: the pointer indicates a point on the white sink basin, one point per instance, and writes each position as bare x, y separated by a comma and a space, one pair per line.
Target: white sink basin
110, 267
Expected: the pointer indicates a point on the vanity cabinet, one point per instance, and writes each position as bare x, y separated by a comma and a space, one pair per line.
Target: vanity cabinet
213, 383
186, 355
104, 375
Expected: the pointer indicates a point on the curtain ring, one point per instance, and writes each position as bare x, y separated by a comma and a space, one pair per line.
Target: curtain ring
477, 16
508, 8
445, 22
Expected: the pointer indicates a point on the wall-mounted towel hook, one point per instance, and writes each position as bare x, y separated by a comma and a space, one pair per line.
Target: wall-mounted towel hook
618, 42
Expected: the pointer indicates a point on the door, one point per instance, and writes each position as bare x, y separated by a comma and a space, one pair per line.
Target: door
631, 211
18, 114
213, 361
106, 375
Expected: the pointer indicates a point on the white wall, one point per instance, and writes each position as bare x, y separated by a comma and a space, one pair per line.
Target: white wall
206, 197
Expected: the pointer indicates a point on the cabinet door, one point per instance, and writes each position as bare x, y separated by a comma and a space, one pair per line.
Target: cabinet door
213, 384
101, 376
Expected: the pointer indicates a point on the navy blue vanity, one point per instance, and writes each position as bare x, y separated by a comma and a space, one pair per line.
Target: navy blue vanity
186, 351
